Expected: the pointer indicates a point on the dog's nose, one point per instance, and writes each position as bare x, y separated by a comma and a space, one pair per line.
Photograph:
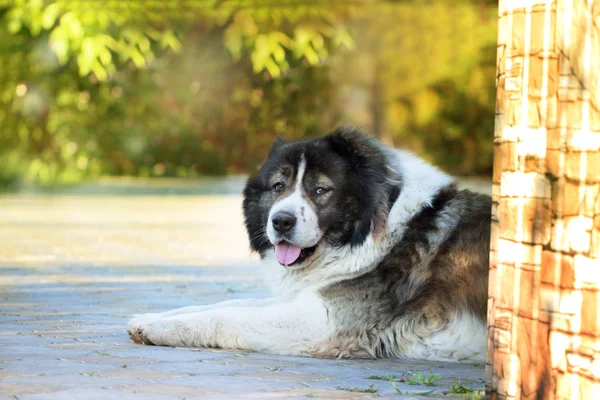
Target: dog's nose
283, 221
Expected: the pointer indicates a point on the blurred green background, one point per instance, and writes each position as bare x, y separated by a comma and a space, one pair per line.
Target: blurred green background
188, 88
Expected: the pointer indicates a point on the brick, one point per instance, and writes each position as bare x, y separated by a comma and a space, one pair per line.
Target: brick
514, 67
503, 319
572, 166
536, 43
563, 322
499, 118
503, 31
495, 235
553, 160
591, 196
518, 32
564, 66
532, 163
535, 115
583, 166
595, 239
593, 166
574, 110
558, 240
563, 386
550, 271
531, 141
572, 203
510, 252
544, 313
595, 55
502, 344
551, 109
587, 271
509, 134
496, 191
530, 356
554, 138
567, 97
560, 5
586, 382
525, 219
567, 274
589, 344
570, 301
501, 373
530, 184
513, 111
528, 293
559, 343
509, 159
595, 112
554, 57
589, 312
536, 77
498, 160
541, 354
578, 233
492, 288
506, 278
513, 85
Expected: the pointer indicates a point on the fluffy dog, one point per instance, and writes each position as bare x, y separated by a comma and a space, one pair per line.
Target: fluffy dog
369, 252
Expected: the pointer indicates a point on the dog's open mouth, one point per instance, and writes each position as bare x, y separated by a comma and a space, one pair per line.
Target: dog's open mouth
290, 255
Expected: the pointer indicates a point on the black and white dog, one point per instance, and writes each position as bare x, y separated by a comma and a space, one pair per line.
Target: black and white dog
369, 252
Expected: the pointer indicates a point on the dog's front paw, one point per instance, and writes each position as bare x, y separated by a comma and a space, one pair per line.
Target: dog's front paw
136, 334
135, 327
159, 331
139, 328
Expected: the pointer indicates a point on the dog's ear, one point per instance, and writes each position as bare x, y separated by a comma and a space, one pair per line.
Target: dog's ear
277, 143
254, 215
353, 144
375, 185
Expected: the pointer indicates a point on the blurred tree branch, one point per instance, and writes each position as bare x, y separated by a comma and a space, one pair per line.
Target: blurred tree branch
187, 87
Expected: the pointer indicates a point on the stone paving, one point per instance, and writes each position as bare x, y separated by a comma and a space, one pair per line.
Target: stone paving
74, 268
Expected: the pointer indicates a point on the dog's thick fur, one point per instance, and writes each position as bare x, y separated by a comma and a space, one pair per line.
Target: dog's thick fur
394, 260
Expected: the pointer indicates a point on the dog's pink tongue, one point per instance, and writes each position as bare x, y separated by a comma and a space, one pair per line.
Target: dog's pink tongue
287, 253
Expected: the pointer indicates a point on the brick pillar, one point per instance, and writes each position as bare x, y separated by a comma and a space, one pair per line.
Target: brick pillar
544, 291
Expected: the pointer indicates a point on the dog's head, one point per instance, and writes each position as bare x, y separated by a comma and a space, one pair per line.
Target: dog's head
313, 195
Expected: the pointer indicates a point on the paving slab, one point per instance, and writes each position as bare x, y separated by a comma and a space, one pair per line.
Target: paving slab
73, 268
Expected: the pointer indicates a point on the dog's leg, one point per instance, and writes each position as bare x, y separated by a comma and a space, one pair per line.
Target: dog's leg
289, 328
222, 304
142, 319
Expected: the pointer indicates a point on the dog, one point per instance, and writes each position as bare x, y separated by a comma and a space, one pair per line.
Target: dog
369, 252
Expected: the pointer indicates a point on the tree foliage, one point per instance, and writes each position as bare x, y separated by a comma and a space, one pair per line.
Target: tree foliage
188, 87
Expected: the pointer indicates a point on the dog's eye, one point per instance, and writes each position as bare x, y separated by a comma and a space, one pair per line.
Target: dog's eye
278, 187
321, 191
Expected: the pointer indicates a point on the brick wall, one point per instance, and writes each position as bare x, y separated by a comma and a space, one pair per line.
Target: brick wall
544, 303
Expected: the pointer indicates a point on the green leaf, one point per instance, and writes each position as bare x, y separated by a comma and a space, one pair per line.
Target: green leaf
14, 25
50, 15
59, 45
